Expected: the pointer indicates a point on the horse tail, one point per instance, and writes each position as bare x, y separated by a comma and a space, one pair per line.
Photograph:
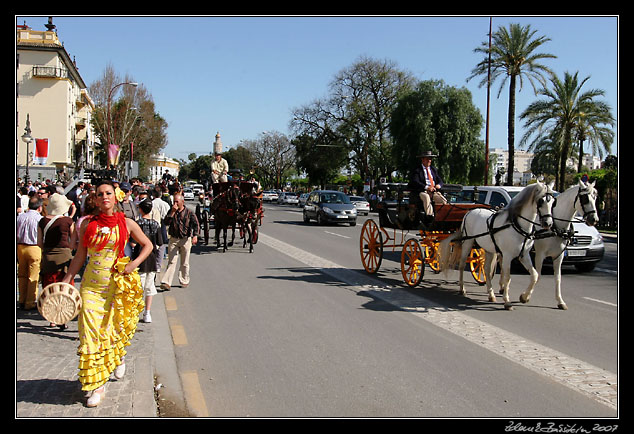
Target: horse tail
449, 257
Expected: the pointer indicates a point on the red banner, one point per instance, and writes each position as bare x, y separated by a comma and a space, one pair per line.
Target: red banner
41, 151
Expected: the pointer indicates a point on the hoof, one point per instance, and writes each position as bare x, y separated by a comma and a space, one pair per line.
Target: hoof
523, 299
562, 306
508, 306
492, 298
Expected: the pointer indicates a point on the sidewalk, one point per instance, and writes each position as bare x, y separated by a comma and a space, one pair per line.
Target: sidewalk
46, 373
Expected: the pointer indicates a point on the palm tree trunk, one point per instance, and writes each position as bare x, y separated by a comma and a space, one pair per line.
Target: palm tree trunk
580, 164
511, 132
562, 162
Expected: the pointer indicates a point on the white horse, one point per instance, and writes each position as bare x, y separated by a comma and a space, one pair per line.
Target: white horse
508, 232
578, 198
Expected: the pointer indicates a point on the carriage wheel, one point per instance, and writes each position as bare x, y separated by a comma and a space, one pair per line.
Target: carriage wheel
476, 263
371, 246
412, 262
431, 256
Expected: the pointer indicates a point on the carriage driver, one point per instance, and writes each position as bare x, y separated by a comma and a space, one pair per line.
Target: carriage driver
219, 168
427, 183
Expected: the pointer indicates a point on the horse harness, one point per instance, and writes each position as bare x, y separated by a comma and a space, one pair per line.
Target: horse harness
532, 235
567, 234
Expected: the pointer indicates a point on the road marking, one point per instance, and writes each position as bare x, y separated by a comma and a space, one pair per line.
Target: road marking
601, 301
170, 302
193, 394
339, 235
594, 382
179, 337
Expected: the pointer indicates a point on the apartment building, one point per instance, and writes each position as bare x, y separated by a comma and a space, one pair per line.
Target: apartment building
52, 93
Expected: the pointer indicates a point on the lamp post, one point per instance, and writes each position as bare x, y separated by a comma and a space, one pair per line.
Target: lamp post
26, 138
108, 119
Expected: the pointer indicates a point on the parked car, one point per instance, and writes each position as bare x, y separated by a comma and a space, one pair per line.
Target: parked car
301, 201
197, 189
584, 250
329, 206
269, 196
288, 197
362, 205
188, 193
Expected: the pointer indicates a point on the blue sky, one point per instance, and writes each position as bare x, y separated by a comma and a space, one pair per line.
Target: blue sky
241, 76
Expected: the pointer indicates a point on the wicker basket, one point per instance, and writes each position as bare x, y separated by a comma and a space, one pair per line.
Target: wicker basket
59, 302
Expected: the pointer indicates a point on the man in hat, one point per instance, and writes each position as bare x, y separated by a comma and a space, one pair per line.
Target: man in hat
219, 168
427, 183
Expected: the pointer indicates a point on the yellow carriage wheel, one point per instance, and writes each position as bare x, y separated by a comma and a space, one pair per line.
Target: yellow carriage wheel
412, 262
476, 263
371, 246
431, 256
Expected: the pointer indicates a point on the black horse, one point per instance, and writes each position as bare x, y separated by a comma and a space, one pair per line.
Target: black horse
225, 208
248, 219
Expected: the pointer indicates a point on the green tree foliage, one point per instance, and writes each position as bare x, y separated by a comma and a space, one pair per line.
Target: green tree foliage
442, 119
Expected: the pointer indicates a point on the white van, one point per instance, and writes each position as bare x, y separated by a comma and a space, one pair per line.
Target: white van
198, 188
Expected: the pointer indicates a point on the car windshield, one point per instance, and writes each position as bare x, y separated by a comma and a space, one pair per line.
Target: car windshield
333, 198
291, 194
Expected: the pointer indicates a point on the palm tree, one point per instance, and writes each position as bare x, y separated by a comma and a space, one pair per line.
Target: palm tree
592, 126
512, 57
563, 113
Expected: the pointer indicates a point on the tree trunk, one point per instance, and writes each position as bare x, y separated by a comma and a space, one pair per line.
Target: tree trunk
511, 132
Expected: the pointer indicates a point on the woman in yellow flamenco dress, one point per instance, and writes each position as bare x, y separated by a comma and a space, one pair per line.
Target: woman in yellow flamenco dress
111, 291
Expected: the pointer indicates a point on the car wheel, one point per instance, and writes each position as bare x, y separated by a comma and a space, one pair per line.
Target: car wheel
354, 223
306, 218
320, 219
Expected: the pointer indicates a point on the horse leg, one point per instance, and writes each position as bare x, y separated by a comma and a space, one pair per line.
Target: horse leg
557, 276
490, 261
466, 249
525, 259
525, 297
505, 282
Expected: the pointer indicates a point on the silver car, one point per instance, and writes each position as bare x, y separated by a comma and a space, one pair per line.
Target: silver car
362, 205
328, 206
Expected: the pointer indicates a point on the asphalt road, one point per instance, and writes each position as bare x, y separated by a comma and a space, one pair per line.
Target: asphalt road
298, 329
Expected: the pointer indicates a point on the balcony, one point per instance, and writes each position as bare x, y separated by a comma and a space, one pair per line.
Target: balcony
50, 72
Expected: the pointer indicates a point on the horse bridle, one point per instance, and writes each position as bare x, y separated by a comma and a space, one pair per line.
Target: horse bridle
540, 202
584, 200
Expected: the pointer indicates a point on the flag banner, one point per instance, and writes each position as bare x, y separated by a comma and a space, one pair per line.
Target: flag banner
41, 151
113, 154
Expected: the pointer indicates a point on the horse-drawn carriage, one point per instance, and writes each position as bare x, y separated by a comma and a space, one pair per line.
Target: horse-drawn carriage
398, 215
230, 204
480, 236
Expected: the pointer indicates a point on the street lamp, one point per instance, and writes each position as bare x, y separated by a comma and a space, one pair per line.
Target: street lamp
26, 138
108, 122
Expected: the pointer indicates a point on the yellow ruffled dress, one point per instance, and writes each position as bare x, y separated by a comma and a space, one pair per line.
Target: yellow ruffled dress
111, 304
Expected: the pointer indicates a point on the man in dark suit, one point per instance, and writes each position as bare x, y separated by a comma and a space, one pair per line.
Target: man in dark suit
426, 182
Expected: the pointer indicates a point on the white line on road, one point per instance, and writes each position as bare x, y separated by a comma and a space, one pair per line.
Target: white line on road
594, 382
339, 235
601, 301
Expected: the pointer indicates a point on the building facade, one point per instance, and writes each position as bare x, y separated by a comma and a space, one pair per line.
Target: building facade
50, 90
161, 164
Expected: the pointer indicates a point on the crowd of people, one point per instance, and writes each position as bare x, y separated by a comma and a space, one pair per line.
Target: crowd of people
114, 235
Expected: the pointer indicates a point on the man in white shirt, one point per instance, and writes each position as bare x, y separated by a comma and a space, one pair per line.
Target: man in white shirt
219, 169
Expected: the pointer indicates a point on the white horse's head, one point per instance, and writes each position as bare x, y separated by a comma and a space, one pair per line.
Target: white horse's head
545, 202
585, 202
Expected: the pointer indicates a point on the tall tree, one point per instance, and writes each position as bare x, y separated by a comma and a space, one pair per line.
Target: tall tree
513, 58
357, 112
442, 119
561, 113
132, 118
